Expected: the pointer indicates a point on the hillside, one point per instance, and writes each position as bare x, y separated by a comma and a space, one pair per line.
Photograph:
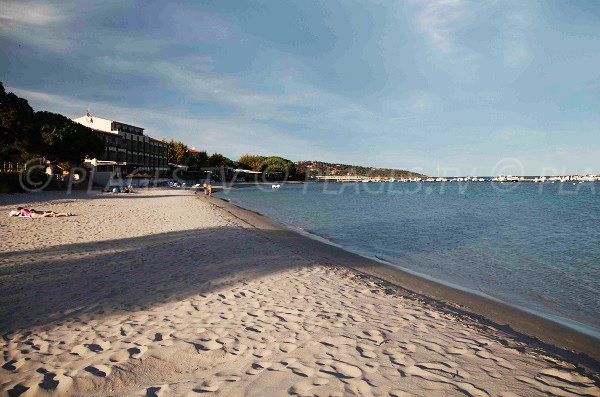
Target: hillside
314, 168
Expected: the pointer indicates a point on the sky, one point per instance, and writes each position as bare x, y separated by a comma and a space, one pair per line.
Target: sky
448, 87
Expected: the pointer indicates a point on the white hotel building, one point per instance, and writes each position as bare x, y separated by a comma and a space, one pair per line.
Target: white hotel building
128, 151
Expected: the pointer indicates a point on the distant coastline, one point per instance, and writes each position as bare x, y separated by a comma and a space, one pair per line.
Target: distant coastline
315, 169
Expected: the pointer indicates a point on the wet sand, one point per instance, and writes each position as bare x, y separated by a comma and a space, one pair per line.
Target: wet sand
164, 293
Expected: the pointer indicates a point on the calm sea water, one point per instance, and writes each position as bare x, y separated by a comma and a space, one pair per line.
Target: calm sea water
535, 246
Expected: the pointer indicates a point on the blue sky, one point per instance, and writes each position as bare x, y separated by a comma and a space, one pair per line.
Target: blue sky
478, 87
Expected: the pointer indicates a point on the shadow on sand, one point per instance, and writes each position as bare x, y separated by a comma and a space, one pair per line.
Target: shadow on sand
44, 285
24, 199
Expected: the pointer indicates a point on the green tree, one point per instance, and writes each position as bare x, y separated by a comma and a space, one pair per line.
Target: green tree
275, 164
177, 152
218, 160
16, 124
64, 140
250, 162
196, 160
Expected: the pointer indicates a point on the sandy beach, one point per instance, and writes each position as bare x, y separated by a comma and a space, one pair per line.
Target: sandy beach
164, 293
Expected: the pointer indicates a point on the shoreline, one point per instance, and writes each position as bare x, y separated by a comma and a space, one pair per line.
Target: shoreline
575, 326
534, 330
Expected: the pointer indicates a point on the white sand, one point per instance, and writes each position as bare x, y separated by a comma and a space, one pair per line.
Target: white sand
159, 293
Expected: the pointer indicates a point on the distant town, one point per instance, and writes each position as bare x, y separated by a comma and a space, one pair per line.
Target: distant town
499, 178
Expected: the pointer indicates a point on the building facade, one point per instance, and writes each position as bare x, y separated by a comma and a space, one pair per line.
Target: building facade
127, 149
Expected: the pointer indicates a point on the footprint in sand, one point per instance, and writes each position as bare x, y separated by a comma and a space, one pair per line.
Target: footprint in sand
409, 347
301, 369
137, 352
413, 370
80, 350
571, 378
498, 360
61, 382
366, 351
342, 370
318, 381
471, 390
99, 370
337, 341
558, 387
492, 372
277, 367
445, 368
262, 353
19, 389
208, 385
228, 377
374, 335
287, 347
357, 387
431, 346
14, 365
370, 367
399, 393
157, 391
457, 351
400, 359
208, 345
257, 368
302, 389
121, 355
227, 315
237, 348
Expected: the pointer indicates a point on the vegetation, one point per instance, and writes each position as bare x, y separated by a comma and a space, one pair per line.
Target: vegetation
196, 159
28, 134
314, 168
269, 164
16, 124
64, 140
250, 162
218, 160
176, 152
275, 164
179, 153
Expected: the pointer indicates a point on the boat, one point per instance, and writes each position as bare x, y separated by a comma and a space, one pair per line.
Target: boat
275, 186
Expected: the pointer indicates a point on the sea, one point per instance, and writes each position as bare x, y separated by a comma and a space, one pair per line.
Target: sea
535, 246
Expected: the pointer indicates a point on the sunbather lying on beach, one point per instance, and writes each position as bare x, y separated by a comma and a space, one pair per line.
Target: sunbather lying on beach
124, 189
31, 213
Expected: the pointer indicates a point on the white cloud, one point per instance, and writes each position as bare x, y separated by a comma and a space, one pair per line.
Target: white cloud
194, 79
438, 18
514, 45
422, 102
443, 20
33, 23
201, 84
17, 14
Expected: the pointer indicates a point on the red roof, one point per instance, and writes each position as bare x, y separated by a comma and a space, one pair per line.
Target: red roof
194, 151
155, 140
